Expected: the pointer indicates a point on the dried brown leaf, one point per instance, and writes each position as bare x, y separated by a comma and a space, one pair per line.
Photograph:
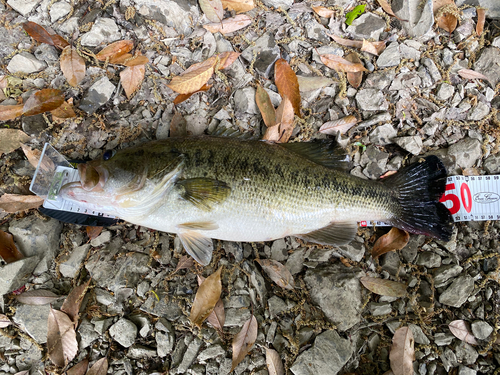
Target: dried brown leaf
402, 352
323, 11
481, 17
341, 125
313, 83
11, 139
37, 297
178, 126
226, 59
213, 9
229, 25
61, 338
443, 10
12, 203
73, 302
287, 84
194, 78
8, 249
59, 41
239, 6
183, 97
93, 232
387, 8
79, 369
394, 240
64, 111
384, 287
115, 50
38, 33
4, 321
354, 78
375, 48
99, 368
43, 101
72, 66
274, 362
283, 129
131, 78
462, 331
184, 263
265, 106
206, 298
340, 64
244, 340
278, 273
33, 156
10, 112
346, 42
136, 60
121, 59
471, 74
217, 318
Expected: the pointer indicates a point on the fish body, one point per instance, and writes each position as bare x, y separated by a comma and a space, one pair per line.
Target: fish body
224, 188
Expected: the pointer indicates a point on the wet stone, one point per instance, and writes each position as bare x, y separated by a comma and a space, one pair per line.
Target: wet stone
98, 94
26, 63
429, 259
33, 320
371, 100
104, 30
124, 332
458, 292
481, 329
391, 56
367, 26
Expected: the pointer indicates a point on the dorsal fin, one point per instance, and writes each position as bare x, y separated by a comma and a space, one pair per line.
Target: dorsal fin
222, 131
326, 152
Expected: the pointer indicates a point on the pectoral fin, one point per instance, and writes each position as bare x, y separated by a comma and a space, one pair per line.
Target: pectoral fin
335, 234
200, 225
197, 245
204, 193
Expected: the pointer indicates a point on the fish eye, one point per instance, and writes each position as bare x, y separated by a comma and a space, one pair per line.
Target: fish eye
108, 155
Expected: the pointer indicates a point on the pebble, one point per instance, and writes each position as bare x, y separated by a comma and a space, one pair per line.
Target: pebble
481, 329
33, 320
104, 30
444, 273
102, 239
165, 339
47, 53
371, 100
479, 112
211, 352
14, 275
59, 10
176, 15
383, 135
443, 339
445, 91
87, 334
429, 259
378, 309
124, 332
432, 69
466, 354
316, 31
266, 52
391, 56
98, 94
466, 152
71, 266
190, 355
244, 101
418, 23
458, 292
419, 335
141, 352
283, 4
492, 164
26, 63
367, 26
412, 144
23, 6
487, 65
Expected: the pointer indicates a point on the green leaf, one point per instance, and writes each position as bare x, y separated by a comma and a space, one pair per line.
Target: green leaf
355, 13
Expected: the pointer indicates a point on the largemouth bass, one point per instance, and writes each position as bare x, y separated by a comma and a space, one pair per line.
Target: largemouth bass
205, 188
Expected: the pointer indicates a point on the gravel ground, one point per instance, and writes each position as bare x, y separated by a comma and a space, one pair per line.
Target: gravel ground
412, 102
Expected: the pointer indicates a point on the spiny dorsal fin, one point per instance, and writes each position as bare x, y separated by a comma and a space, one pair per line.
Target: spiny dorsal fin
197, 245
222, 131
334, 234
321, 151
203, 192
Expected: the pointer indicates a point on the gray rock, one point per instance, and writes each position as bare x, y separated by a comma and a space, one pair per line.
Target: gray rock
265, 51
14, 275
328, 355
466, 152
316, 31
23, 6
124, 332
35, 236
87, 334
70, 267
374, 162
429, 259
176, 14
211, 352
276, 306
481, 329
354, 250
47, 53
445, 91
492, 5
102, 239
496, 42
382, 308
164, 340
284, 4
367, 26
59, 10
419, 15
407, 81
412, 144
418, 335
432, 69
141, 352
236, 317
33, 320
101, 325
383, 135
390, 262
409, 52
466, 354
444, 273
295, 261
190, 355
337, 291
28, 358
379, 81
443, 339
34, 125
390, 57
480, 111
99, 93
104, 30
458, 292
244, 101
170, 310
371, 100
279, 251
492, 164
462, 370
487, 65
26, 63
449, 359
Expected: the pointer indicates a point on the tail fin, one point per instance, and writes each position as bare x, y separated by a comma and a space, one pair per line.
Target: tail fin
418, 188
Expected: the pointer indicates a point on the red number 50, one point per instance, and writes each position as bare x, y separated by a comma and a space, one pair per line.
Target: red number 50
465, 194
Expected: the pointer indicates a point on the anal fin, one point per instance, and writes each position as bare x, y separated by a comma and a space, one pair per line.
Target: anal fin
335, 234
197, 245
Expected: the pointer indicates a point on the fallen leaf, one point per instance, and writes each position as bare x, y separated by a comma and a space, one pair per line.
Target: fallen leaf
217, 318
265, 106
59, 41
313, 83
481, 17
355, 13
274, 362
226, 59
115, 50
323, 11
402, 352
354, 78
10, 112
12, 203
33, 156
131, 78
375, 48
72, 66
99, 368
38, 33
394, 240
443, 11
212, 9
93, 232
346, 42
384, 287
121, 59
278, 273
184, 263
229, 25
206, 298
287, 84
37, 297
244, 340
338, 126
283, 129
11, 139
61, 338
178, 126
64, 111
79, 369
136, 60
73, 302
193, 79
387, 8
183, 97
462, 331
340, 64
43, 101
471, 74
8, 249
4, 321
239, 6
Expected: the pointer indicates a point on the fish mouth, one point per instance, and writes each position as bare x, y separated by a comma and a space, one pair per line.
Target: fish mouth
92, 179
